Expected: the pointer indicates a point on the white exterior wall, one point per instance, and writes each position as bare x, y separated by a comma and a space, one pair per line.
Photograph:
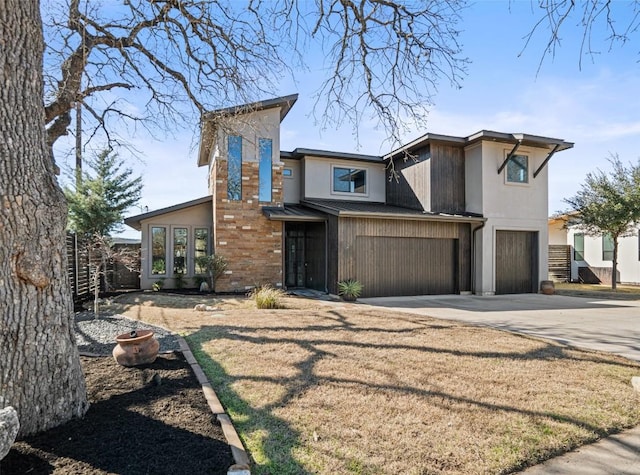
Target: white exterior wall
507, 206
628, 256
199, 216
318, 176
557, 233
292, 185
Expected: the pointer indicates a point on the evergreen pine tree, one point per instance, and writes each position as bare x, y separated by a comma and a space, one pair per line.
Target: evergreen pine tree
98, 201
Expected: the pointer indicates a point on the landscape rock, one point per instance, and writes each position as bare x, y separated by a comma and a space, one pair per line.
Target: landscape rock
9, 426
200, 307
635, 382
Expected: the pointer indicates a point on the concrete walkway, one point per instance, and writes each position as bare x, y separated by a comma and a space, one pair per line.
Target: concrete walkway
606, 325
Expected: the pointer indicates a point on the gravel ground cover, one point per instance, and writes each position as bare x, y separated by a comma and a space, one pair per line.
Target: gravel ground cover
98, 335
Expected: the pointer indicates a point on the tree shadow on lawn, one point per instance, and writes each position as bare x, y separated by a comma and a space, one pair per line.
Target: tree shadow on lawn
281, 438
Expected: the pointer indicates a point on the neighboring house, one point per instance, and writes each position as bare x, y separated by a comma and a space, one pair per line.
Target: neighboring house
591, 257
466, 214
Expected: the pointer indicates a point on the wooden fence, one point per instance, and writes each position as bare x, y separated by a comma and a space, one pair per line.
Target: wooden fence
78, 269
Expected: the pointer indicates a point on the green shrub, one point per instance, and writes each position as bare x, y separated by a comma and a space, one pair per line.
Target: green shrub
179, 280
350, 289
267, 296
157, 285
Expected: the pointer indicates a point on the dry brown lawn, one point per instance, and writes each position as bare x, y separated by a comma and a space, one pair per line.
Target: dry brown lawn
335, 388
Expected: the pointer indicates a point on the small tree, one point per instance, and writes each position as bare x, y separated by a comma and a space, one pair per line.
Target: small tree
609, 204
96, 208
103, 247
214, 266
98, 201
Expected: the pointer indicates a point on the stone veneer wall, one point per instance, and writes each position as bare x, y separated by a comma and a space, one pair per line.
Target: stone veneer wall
251, 244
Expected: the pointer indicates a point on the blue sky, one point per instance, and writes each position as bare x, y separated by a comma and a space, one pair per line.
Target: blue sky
596, 106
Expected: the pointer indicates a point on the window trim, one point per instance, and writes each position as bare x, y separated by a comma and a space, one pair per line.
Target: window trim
169, 253
151, 256
577, 252
603, 240
231, 163
506, 170
349, 193
265, 169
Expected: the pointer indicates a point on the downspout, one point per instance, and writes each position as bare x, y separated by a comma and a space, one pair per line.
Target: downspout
473, 256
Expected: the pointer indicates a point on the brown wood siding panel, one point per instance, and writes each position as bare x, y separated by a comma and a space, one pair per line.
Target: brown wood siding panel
560, 262
315, 256
516, 258
350, 229
333, 256
411, 189
447, 179
406, 266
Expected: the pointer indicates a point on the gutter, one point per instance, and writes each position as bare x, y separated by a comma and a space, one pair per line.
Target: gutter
473, 255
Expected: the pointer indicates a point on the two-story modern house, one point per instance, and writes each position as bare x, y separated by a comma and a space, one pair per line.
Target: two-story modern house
460, 214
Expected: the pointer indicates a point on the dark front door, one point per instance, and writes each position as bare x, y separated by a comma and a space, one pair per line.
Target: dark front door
305, 261
294, 256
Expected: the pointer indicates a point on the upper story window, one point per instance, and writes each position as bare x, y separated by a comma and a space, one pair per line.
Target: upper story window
264, 169
518, 169
349, 180
607, 247
234, 168
578, 247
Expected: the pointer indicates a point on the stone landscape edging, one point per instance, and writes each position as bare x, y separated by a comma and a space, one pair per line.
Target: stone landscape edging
240, 456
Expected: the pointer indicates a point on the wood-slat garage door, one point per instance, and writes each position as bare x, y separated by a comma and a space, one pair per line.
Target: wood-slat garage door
516, 262
389, 266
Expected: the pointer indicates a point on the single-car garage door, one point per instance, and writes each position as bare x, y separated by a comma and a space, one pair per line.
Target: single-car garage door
389, 266
516, 262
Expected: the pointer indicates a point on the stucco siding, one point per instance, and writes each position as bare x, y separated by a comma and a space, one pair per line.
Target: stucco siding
318, 173
200, 216
292, 184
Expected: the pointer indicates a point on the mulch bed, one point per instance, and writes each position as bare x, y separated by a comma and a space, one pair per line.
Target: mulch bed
148, 419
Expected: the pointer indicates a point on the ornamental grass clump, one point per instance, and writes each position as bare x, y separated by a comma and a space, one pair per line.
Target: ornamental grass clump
267, 297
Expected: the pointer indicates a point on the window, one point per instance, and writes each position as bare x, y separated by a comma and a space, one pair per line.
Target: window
287, 172
158, 250
234, 168
201, 247
264, 170
578, 247
349, 180
180, 251
607, 247
518, 169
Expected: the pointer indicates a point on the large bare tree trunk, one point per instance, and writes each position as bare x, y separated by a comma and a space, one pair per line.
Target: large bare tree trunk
40, 372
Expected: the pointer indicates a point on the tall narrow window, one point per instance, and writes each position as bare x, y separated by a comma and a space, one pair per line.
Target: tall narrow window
158, 250
201, 247
234, 168
578, 247
518, 169
180, 250
607, 247
264, 173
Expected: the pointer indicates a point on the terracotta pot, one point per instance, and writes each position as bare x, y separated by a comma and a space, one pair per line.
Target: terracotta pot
547, 287
136, 348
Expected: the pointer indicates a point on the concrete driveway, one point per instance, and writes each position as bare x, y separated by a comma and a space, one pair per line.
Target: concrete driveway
605, 325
